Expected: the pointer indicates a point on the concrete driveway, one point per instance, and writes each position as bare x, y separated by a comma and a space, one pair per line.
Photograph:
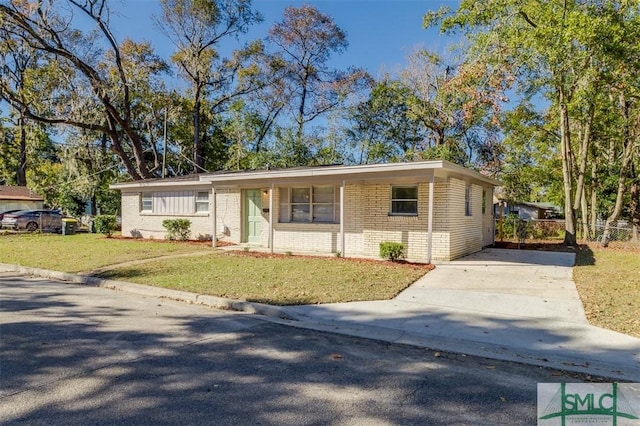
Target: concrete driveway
516, 305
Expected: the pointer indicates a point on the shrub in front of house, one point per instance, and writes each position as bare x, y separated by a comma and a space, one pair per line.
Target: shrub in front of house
177, 229
105, 224
392, 250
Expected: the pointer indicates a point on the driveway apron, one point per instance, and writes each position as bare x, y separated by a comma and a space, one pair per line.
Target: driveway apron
509, 304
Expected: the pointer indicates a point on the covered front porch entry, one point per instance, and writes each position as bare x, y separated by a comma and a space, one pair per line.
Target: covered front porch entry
263, 223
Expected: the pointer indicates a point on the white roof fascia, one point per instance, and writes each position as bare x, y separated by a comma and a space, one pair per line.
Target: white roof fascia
365, 172
158, 183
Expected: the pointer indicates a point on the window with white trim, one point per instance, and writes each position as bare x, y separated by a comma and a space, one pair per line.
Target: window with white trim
202, 202
467, 200
404, 201
146, 202
309, 204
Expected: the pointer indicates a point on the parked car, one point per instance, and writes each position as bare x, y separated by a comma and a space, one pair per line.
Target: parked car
32, 220
8, 211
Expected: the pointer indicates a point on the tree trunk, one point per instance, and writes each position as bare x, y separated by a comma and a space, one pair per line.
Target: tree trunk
565, 141
301, 107
21, 175
198, 158
635, 210
627, 155
583, 154
584, 215
594, 201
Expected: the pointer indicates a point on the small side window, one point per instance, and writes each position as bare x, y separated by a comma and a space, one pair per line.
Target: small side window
467, 200
484, 201
146, 202
202, 201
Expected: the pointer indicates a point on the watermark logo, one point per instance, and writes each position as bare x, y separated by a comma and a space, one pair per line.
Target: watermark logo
616, 404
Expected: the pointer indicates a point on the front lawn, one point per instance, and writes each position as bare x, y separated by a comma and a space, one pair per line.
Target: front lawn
82, 252
275, 279
608, 281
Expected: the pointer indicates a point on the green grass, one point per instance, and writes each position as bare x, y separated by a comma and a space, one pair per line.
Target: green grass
82, 252
608, 281
280, 280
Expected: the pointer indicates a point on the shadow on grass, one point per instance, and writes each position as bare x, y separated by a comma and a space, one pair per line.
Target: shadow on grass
584, 256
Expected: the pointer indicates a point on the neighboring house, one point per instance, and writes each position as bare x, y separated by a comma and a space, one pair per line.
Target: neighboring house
19, 197
532, 211
439, 210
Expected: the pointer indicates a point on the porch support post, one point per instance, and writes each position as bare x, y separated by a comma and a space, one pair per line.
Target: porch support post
214, 239
342, 236
430, 219
271, 218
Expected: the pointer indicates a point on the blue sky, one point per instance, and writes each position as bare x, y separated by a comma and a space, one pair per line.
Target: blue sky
381, 33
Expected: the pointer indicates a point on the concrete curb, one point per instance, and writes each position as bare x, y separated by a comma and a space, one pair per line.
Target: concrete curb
145, 290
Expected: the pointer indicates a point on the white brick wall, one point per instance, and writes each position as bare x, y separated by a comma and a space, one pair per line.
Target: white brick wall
149, 225
412, 231
465, 231
229, 217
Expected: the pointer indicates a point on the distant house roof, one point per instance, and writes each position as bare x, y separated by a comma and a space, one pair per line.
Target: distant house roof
543, 206
18, 193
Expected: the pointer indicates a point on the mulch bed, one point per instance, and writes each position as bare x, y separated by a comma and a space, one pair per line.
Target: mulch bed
265, 255
259, 254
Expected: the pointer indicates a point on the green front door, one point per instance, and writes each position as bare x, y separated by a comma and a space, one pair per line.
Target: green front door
253, 215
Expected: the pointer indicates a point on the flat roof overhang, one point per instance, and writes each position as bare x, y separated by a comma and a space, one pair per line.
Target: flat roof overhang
413, 172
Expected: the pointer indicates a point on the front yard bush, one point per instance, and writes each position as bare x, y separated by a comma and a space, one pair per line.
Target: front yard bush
392, 250
177, 229
105, 224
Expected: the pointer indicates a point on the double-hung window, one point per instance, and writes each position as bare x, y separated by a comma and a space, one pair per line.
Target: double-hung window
300, 204
404, 201
146, 201
317, 204
202, 202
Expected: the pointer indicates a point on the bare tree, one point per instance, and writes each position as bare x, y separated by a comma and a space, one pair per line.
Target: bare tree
307, 39
196, 27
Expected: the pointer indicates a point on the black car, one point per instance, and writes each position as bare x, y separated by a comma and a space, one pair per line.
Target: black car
32, 220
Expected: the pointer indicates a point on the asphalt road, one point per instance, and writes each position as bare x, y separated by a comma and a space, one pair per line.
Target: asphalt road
74, 354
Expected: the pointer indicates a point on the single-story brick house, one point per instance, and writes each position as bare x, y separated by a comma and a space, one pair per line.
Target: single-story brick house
19, 197
439, 210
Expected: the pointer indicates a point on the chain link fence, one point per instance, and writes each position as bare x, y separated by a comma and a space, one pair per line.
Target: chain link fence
618, 231
516, 229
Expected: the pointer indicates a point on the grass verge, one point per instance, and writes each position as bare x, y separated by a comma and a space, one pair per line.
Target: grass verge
608, 280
